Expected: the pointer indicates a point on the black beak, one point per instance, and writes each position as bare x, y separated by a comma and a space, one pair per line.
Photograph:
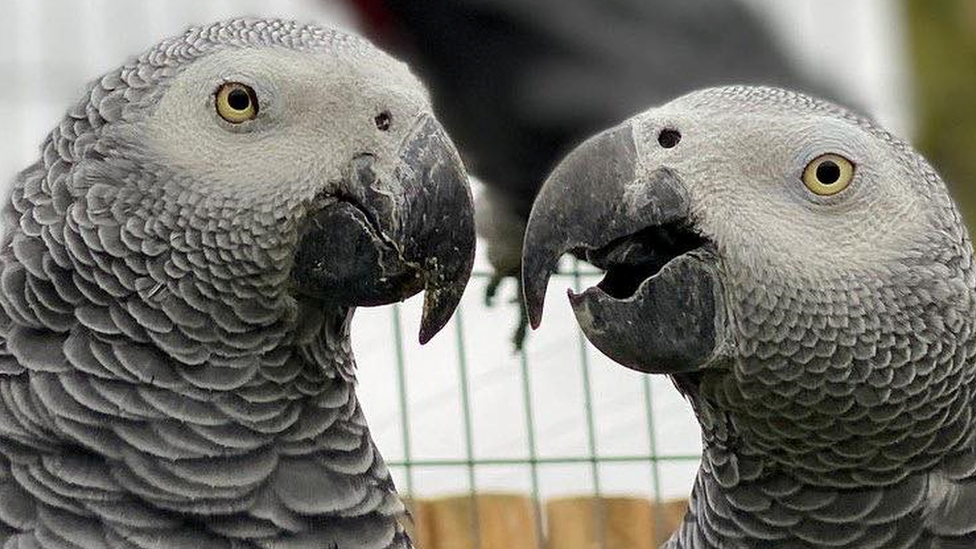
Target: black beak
395, 231
657, 309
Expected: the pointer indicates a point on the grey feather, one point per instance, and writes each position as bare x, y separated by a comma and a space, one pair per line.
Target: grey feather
162, 384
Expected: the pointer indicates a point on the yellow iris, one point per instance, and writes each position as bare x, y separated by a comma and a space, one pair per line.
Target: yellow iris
828, 174
236, 103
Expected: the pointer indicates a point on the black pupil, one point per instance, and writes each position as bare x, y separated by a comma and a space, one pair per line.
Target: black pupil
239, 100
669, 138
383, 120
828, 172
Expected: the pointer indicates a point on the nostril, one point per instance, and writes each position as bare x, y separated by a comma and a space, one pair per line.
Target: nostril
383, 121
669, 138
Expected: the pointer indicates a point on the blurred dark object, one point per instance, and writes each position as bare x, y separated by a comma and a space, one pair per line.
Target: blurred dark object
518, 83
943, 38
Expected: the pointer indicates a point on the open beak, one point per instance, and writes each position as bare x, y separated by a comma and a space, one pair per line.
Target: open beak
395, 231
658, 309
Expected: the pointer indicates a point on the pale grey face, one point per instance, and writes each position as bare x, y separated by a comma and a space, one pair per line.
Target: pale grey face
316, 110
698, 207
743, 166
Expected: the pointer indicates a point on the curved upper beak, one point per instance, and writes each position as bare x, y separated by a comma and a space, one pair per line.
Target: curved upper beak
395, 232
591, 198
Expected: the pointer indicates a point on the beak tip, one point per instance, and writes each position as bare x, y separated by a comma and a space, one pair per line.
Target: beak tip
440, 304
535, 282
535, 319
533, 301
429, 327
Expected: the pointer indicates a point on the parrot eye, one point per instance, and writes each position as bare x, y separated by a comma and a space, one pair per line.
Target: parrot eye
383, 121
828, 174
236, 103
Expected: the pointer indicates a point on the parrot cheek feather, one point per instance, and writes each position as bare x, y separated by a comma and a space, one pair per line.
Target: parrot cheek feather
673, 324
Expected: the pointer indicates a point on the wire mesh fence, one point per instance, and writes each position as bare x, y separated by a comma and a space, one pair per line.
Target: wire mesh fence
527, 463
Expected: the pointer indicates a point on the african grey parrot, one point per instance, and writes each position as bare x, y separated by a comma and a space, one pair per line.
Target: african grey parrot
518, 83
178, 273
806, 280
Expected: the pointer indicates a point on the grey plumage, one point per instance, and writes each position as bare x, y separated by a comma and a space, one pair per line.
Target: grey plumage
831, 358
166, 379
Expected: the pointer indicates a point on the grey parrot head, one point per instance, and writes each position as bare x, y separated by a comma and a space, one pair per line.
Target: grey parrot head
782, 258
304, 162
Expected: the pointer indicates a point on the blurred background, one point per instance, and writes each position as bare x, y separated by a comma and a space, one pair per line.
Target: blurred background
466, 414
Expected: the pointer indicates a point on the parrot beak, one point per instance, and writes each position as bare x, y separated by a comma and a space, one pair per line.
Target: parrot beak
395, 231
657, 309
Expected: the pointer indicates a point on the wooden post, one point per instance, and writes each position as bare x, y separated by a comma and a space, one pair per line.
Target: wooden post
670, 514
499, 521
628, 523
418, 523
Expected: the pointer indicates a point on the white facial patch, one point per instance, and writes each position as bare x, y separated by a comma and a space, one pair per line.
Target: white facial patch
316, 111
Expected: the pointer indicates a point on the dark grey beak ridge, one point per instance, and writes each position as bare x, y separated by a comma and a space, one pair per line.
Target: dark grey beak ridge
438, 234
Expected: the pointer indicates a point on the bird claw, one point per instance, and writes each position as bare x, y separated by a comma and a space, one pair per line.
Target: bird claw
521, 330
491, 289
491, 293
